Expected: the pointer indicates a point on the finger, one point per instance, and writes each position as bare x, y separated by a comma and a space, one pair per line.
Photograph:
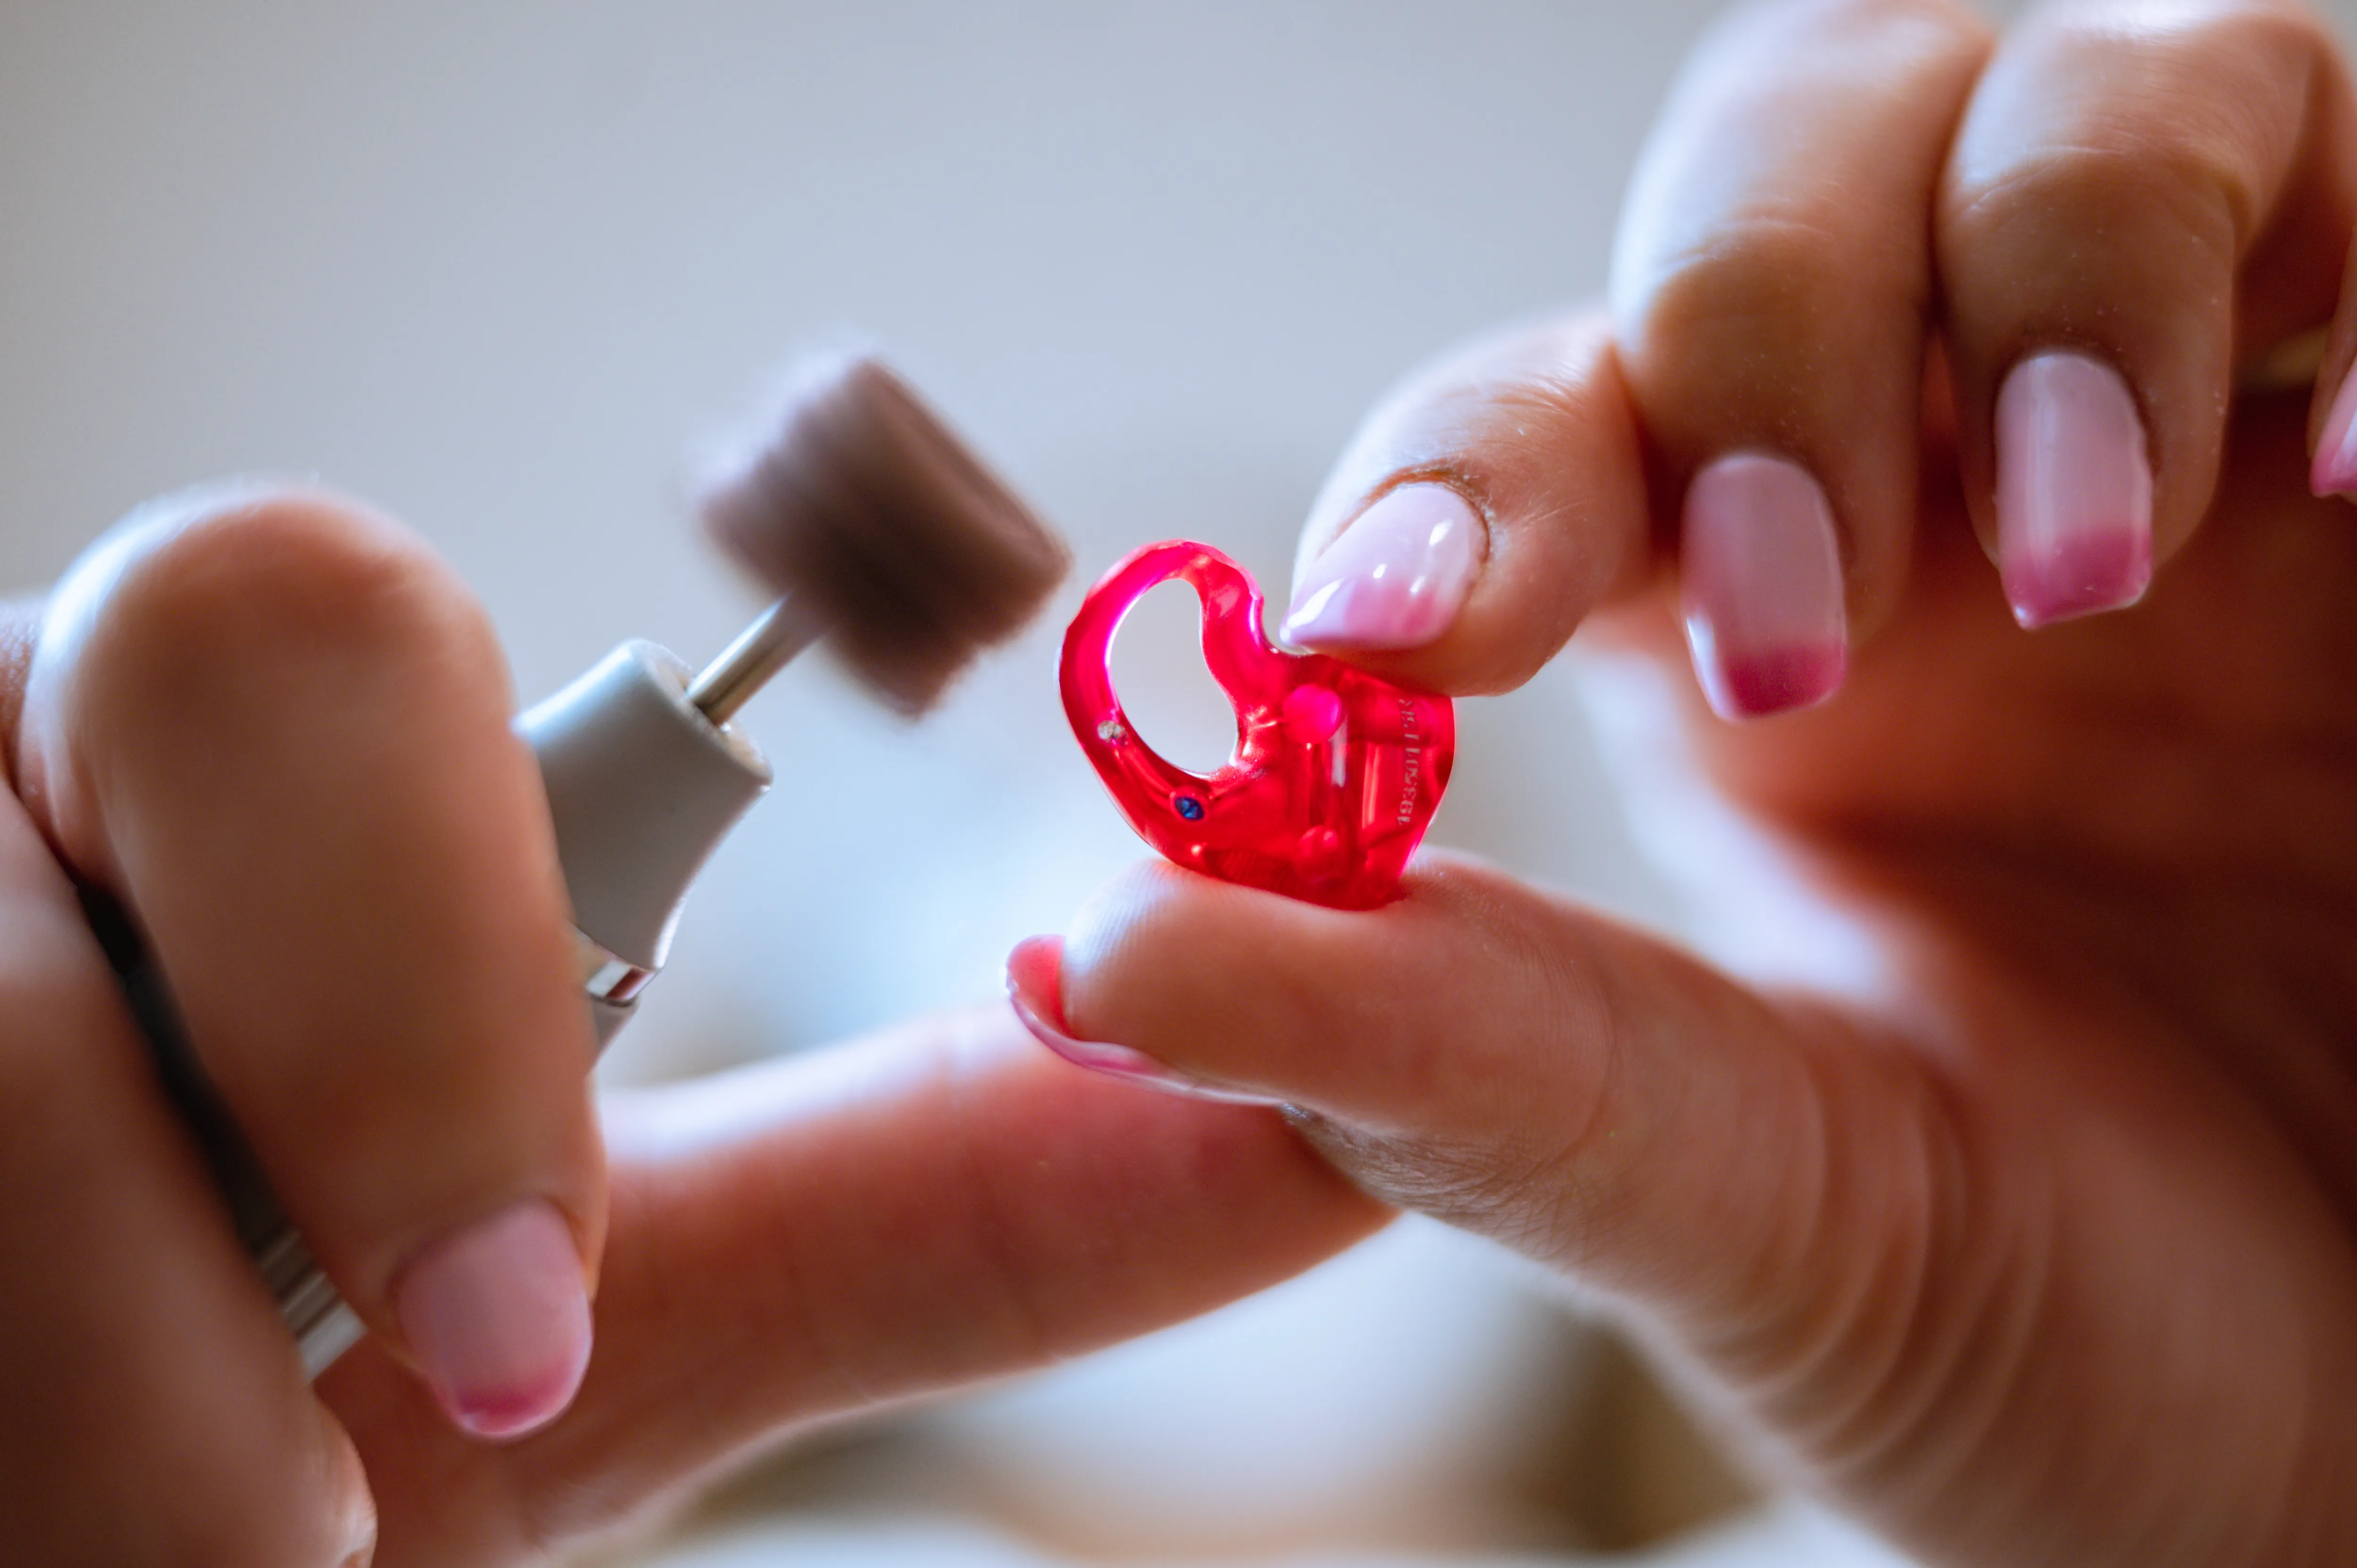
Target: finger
1770, 287
1479, 515
1895, 1249
2138, 200
1611, 1104
152, 1409
943, 1204
277, 727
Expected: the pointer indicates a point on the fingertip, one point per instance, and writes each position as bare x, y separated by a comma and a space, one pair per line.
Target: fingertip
1035, 991
1034, 977
1479, 515
497, 1316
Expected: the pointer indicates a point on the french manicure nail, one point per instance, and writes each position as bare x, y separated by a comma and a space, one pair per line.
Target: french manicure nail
2073, 490
498, 1317
1394, 577
2334, 472
1034, 988
1761, 576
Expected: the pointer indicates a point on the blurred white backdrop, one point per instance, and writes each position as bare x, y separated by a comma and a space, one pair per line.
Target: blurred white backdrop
498, 265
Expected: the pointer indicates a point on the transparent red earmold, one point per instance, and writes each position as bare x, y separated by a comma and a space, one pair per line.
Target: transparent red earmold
1336, 772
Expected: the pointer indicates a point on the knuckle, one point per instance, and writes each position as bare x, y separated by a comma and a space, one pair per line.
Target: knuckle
1781, 279
1932, 27
2192, 117
2191, 27
255, 581
2068, 219
1795, 166
296, 561
1888, 13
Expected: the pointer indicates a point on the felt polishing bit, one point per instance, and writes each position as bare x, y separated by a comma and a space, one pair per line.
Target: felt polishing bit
879, 532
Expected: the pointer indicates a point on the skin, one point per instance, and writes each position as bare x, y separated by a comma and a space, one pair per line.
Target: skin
1997, 1176
276, 726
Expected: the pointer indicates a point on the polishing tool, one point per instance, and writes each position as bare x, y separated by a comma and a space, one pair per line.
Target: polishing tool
881, 535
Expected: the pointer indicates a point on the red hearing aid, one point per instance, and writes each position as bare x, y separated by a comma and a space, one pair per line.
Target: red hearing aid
1336, 772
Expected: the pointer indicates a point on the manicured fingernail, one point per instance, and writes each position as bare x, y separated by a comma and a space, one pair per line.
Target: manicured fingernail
1035, 989
2073, 490
1395, 576
2334, 473
1761, 576
498, 1317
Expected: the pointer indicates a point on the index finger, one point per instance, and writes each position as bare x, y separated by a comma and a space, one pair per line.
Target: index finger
847, 1229
1479, 514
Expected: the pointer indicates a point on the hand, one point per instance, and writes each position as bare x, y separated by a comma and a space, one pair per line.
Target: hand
276, 728
2001, 1181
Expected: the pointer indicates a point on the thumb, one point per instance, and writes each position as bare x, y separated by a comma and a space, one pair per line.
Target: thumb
1739, 1166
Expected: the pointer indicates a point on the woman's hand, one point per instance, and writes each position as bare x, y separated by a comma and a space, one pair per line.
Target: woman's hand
2010, 1196
277, 728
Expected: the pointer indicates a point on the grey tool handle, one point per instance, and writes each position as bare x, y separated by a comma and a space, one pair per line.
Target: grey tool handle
641, 787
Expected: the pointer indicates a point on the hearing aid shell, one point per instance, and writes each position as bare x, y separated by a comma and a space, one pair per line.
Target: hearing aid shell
1336, 772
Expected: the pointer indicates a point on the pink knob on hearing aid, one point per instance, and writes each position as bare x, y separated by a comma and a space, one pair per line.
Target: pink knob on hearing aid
1336, 772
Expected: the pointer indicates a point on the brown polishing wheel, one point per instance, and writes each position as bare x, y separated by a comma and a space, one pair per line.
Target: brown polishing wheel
868, 512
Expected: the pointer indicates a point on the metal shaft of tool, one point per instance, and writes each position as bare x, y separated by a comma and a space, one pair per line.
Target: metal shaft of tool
763, 649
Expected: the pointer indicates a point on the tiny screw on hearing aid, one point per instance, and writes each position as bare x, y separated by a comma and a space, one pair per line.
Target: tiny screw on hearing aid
879, 531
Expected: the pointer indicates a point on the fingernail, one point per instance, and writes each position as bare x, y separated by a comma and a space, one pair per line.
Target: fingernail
498, 1317
2334, 473
1761, 574
1035, 988
1395, 576
2073, 490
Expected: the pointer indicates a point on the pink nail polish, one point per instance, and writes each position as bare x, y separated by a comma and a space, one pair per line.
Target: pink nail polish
1394, 577
2073, 490
1034, 988
2334, 472
1761, 577
498, 1317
